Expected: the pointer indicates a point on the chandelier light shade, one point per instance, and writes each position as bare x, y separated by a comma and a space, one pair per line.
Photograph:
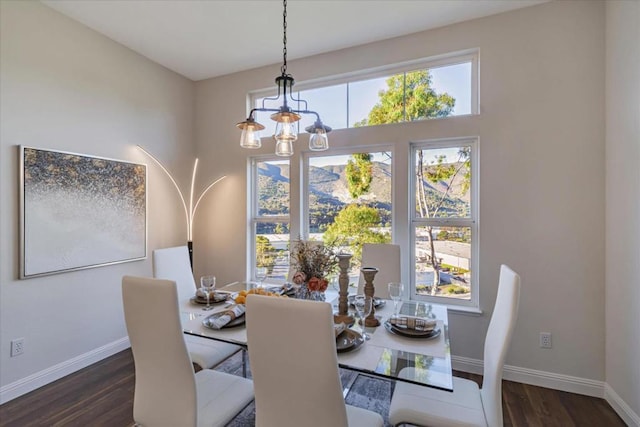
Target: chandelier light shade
250, 137
285, 117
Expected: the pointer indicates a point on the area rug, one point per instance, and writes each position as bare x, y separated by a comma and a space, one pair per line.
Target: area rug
365, 392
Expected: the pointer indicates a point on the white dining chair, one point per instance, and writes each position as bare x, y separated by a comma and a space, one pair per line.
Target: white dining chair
167, 391
468, 405
292, 353
386, 258
173, 264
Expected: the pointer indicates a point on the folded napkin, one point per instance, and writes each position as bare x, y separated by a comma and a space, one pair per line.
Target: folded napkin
227, 316
415, 323
339, 328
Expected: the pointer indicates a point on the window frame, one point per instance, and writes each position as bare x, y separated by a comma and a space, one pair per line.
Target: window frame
438, 61
472, 221
253, 207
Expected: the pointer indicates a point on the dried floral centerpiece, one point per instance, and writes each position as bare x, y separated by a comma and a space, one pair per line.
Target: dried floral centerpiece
312, 263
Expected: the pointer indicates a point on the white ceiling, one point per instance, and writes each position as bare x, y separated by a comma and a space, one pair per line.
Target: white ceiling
208, 38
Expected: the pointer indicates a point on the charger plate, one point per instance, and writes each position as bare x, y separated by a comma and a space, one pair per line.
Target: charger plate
348, 340
412, 333
377, 302
218, 298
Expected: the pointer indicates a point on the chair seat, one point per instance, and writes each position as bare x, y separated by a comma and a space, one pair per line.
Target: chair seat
208, 353
358, 417
437, 408
221, 397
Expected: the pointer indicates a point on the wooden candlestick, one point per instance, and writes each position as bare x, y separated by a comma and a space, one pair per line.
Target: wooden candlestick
343, 295
369, 290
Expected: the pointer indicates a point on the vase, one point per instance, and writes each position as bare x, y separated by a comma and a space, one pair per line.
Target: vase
303, 292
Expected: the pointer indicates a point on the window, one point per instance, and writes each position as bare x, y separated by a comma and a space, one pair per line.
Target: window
433, 182
348, 200
270, 217
349, 102
443, 220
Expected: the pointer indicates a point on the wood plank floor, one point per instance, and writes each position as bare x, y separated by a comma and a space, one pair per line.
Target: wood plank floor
102, 395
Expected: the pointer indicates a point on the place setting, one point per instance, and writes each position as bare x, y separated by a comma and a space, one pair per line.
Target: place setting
347, 339
231, 317
408, 326
207, 295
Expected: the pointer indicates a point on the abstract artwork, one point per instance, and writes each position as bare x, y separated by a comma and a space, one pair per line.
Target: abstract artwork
79, 211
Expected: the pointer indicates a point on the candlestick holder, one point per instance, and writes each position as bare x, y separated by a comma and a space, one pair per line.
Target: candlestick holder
369, 290
344, 261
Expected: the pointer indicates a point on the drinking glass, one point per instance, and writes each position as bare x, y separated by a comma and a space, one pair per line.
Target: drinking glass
261, 274
207, 286
395, 293
364, 305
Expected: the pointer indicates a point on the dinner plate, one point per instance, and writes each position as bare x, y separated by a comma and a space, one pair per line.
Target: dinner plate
215, 300
346, 319
412, 333
235, 322
377, 302
348, 340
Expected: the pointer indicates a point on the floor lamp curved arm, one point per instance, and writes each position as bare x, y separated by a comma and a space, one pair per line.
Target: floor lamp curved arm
189, 212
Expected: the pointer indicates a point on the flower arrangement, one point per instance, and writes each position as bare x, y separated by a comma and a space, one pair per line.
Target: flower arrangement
312, 263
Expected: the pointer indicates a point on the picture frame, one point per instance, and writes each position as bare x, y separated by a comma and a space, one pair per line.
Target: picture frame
79, 211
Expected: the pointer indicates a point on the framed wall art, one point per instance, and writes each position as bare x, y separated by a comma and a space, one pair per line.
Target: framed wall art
79, 211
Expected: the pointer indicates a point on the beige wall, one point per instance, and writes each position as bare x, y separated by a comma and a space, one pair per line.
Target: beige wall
541, 132
542, 193
623, 203
65, 87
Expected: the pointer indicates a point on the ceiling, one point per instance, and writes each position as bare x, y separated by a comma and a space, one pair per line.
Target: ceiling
207, 38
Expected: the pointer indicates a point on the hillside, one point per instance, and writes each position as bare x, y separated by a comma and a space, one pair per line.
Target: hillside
328, 193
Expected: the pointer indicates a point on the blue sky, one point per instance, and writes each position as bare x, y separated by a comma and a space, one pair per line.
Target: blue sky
352, 102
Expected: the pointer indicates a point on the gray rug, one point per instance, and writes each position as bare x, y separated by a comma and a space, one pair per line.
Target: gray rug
366, 392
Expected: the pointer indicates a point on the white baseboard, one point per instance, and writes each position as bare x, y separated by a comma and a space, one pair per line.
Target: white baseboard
49, 375
534, 377
620, 406
557, 382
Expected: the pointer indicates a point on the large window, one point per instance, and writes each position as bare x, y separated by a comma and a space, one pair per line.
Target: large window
270, 222
345, 196
444, 220
348, 200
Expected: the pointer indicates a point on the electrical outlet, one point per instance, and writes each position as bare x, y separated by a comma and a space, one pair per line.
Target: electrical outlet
545, 339
17, 347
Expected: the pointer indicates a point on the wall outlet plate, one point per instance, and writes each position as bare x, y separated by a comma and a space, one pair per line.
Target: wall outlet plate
545, 339
17, 347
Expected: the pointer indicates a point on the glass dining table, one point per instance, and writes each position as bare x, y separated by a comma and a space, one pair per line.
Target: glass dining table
385, 354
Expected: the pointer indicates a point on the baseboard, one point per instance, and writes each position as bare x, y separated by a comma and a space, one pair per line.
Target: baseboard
49, 375
534, 377
620, 406
557, 382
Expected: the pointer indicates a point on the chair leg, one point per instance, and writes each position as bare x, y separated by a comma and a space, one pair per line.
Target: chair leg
244, 363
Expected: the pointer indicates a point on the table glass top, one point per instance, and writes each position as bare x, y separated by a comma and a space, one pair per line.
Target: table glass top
387, 355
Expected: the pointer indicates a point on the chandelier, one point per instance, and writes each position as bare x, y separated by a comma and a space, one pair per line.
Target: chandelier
285, 116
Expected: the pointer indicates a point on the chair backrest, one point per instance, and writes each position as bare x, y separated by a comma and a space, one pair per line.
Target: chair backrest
296, 381
165, 390
496, 343
173, 264
386, 258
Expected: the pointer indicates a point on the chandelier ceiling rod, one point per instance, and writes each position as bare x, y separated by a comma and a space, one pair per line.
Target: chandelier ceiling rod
285, 117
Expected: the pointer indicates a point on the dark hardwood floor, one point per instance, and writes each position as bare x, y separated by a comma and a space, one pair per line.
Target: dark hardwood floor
102, 395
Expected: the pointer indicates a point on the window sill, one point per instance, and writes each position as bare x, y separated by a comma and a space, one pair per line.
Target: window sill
467, 311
